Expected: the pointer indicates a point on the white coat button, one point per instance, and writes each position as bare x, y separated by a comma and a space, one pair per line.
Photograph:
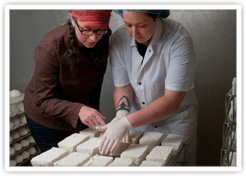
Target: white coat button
139, 83
143, 103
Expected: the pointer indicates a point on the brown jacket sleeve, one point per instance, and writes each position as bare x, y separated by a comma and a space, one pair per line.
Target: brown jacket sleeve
46, 80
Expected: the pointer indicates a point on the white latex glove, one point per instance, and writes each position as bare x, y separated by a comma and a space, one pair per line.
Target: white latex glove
114, 132
119, 114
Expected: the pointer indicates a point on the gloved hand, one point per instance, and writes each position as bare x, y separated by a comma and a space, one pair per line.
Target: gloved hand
114, 132
120, 114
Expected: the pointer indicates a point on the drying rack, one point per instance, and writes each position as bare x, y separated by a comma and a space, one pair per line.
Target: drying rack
228, 150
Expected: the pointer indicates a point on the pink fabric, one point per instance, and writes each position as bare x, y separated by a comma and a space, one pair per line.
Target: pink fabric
92, 18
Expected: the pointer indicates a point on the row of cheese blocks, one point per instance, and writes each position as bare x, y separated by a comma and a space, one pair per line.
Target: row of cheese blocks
82, 149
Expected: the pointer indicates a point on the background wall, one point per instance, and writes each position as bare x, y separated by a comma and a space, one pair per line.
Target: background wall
214, 36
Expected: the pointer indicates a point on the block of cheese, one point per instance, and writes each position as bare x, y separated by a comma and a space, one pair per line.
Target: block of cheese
136, 152
91, 132
121, 146
160, 154
135, 136
150, 163
73, 159
152, 139
174, 140
99, 160
71, 142
49, 157
122, 162
91, 146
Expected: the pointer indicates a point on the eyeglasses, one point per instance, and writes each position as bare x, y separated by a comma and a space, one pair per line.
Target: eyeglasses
90, 32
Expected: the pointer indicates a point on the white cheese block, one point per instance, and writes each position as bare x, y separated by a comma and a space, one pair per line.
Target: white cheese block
71, 142
14, 93
49, 157
174, 140
90, 132
73, 159
135, 136
150, 163
121, 146
90, 146
99, 160
160, 154
122, 162
136, 152
152, 139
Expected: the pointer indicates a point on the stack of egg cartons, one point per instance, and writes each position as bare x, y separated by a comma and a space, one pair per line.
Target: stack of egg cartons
22, 144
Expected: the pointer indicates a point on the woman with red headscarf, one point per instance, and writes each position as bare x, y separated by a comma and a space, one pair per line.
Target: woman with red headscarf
70, 61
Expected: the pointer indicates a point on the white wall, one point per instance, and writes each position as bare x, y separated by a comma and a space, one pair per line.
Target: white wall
214, 36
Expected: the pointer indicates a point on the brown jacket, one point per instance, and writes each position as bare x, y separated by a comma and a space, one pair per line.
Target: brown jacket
56, 93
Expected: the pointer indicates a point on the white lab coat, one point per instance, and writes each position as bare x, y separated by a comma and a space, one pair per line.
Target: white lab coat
168, 64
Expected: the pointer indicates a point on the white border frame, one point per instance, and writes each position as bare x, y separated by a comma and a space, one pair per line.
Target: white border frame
124, 169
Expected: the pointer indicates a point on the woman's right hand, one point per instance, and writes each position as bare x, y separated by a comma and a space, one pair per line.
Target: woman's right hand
91, 117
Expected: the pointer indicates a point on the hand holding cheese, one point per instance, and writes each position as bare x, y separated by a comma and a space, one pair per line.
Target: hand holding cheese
91, 117
120, 114
114, 132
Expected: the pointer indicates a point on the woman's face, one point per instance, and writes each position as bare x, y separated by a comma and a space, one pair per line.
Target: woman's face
139, 25
89, 41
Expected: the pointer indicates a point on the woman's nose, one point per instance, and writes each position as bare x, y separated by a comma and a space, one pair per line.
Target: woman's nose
93, 36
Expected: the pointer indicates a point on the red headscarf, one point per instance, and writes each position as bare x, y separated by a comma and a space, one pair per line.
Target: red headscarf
92, 18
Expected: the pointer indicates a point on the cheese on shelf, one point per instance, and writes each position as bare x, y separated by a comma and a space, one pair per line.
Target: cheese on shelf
91, 132
90, 146
71, 142
152, 139
160, 154
136, 152
150, 163
121, 146
49, 157
135, 136
174, 140
122, 162
73, 159
99, 160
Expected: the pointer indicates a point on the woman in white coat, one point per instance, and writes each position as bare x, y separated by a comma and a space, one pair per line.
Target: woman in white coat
152, 61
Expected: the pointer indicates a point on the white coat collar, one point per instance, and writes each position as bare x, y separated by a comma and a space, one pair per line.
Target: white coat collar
156, 37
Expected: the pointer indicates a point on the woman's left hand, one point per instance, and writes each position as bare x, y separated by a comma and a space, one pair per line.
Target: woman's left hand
91, 117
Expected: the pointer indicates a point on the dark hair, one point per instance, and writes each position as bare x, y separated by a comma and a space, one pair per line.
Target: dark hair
154, 16
69, 57
97, 55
